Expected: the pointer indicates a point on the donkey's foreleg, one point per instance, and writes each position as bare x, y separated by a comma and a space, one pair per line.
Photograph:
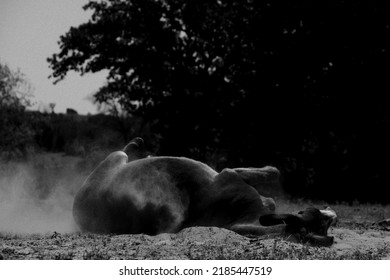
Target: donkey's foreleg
258, 230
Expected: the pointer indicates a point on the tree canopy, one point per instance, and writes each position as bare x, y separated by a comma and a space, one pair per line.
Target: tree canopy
298, 84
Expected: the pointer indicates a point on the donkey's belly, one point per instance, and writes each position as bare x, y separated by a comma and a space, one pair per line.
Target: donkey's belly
149, 203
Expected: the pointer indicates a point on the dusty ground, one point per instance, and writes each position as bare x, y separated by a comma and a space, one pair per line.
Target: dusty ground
193, 243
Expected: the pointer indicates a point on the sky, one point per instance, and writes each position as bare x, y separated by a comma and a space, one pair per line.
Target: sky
29, 34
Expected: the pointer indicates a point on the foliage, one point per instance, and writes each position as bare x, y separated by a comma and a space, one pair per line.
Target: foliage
297, 84
78, 135
14, 88
15, 132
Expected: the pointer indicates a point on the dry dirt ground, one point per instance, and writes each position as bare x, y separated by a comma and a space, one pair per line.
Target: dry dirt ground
193, 243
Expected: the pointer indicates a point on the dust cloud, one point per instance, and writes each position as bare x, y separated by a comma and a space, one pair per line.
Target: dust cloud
36, 196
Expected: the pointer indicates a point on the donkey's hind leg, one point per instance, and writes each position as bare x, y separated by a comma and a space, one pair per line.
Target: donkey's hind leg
259, 176
135, 149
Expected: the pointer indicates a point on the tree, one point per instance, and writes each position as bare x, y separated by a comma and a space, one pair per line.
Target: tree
15, 130
261, 82
160, 67
15, 91
52, 106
